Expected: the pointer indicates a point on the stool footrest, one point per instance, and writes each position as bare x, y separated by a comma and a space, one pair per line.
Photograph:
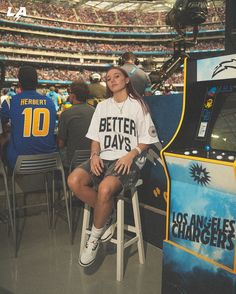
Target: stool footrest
126, 244
31, 206
131, 241
130, 228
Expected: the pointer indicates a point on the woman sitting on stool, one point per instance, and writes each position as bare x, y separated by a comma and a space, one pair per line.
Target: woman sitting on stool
121, 131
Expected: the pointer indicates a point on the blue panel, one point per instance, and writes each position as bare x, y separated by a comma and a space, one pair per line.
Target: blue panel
166, 113
184, 273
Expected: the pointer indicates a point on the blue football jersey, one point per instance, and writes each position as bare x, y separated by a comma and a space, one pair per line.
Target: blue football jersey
32, 117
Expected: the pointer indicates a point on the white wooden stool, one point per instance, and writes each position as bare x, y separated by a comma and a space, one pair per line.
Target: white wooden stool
121, 228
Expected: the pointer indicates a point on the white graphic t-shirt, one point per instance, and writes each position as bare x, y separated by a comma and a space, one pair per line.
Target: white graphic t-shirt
119, 127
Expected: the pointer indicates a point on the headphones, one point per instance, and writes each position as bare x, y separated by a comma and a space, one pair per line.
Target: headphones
127, 56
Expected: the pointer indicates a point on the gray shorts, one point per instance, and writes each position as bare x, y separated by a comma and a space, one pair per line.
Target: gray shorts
127, 180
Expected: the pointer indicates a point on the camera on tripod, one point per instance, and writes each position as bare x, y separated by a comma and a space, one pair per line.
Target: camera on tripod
184, 13
187, 13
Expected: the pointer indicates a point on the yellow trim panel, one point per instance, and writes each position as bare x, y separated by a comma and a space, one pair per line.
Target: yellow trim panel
202, 257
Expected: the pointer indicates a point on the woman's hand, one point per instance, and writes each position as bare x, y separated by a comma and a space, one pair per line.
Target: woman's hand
123, 164
96, 165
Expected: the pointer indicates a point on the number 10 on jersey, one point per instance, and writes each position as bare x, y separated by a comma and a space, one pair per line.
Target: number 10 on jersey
36, 122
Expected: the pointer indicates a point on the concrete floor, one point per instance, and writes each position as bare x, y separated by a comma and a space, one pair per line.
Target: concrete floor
47, 264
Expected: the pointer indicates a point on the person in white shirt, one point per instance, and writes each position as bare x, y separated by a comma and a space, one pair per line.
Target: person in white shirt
4, 96
121, 131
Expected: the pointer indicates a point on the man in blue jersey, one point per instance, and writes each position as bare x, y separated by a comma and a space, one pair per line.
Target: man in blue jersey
32, 118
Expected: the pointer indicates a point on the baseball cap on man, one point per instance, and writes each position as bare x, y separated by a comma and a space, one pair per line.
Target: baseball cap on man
95, 76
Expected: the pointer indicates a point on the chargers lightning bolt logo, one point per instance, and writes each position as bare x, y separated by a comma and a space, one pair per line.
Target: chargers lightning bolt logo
200, 175
224, 65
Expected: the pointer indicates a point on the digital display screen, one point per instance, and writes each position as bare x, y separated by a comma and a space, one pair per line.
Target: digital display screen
223, 135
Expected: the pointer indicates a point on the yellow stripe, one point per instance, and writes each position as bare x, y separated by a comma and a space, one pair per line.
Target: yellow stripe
167, 192
235, 260
161, 153
183, 109
202, 257
233, 164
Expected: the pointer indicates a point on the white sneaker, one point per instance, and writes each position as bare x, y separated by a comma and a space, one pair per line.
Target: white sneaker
109, 228
89, 253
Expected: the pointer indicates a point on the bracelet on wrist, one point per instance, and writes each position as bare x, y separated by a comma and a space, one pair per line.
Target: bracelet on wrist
92, 154
138, 150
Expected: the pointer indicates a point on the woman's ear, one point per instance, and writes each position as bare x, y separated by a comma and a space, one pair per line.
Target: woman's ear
127, 80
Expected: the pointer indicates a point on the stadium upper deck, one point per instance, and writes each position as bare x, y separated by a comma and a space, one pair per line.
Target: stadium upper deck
87, 17
74, 36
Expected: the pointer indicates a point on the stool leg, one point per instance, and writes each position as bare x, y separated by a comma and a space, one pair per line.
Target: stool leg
8, 204
14, 214
137, 222
69, 194
86, 218
67, 206
48, 200
53, 202
120, 241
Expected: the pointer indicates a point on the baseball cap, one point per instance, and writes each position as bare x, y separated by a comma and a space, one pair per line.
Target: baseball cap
95, 76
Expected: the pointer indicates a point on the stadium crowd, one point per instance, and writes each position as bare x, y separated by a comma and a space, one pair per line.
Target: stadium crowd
57, 74
78, 46
86, 18
101, 47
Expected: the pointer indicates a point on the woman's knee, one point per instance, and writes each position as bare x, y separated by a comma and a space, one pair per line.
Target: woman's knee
106, 191
72, 180
77, 179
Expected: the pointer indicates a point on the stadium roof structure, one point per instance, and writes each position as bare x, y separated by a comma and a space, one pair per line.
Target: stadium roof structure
129, 5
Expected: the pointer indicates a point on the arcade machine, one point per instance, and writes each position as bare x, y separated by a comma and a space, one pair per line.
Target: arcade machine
200, 161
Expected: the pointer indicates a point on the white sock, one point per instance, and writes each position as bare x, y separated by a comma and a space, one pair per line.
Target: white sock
96, 233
